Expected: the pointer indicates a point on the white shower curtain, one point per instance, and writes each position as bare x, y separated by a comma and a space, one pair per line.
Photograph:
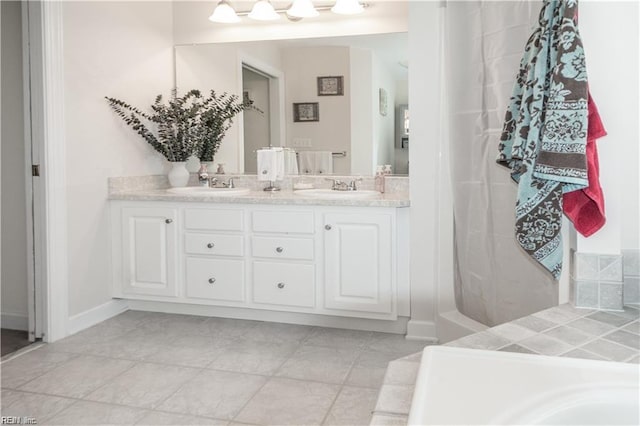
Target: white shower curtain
495, 281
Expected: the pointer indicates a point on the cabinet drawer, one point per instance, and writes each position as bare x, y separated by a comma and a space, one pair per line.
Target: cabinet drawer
215, 244
218, 279
282, 248
284, 284
214, 219
285, 222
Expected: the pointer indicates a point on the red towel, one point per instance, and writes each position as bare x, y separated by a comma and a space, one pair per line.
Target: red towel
585, 208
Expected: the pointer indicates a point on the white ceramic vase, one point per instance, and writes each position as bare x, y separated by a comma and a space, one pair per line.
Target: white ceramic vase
178, 175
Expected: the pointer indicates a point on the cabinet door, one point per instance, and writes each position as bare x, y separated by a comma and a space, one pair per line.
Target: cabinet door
358, 262
149, 251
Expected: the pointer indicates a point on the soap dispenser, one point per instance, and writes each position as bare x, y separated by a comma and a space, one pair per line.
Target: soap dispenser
203, 176
379, 179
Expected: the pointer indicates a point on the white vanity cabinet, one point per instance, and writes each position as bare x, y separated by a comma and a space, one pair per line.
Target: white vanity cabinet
342, 262
148, 250
358, 262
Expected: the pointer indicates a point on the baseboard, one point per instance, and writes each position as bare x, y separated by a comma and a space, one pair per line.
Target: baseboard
398, 326
453, 325
15, 321
421, 330
96, 315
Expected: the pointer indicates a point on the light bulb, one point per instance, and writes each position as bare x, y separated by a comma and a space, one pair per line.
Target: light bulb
302, 9
347, 7
224, 13
263, 11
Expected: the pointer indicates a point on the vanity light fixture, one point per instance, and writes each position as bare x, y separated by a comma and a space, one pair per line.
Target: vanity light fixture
224, 13
302, 9
347, 7
263, 11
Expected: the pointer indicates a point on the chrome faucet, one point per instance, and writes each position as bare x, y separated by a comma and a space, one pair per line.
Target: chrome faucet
338, 185
353, 185
214, 181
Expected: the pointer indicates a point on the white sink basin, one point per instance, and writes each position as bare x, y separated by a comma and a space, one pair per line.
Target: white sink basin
331, 194
469, 386
206, 192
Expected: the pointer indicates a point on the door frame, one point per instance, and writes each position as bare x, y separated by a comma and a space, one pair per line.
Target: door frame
276, 102
45, 145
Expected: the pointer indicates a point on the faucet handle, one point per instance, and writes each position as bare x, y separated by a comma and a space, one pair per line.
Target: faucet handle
230, 184
335, 183
353, 184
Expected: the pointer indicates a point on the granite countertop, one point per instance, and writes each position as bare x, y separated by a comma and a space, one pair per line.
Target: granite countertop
284, 197
560, 331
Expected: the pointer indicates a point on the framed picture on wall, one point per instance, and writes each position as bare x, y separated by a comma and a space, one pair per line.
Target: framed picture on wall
306, 112
331, 86
383, 102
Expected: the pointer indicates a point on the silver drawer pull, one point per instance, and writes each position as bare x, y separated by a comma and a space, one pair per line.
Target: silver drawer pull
212, 280
210, 245
327, 227
168, 220
280, 285
279, 249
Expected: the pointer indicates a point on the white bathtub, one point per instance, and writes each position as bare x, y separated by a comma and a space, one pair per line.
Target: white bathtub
470, 386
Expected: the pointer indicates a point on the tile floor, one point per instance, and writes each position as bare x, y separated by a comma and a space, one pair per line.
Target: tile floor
12, 340
162, 369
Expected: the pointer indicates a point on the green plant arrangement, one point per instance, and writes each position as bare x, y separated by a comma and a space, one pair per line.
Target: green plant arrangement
186, 125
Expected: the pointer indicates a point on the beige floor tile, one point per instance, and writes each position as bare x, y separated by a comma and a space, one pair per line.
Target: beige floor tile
402, 373
395, 399
156, 418
190, 351
338, 338
278, 333
24, 368
215, 394
369, 369
388, 420
228, 327
95, 413
77, 377
246, 356
289, 402
354, 406
329, 365
396, 343
144, 385
38, 407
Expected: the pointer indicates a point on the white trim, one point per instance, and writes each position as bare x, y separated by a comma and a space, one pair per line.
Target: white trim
421, 330
96, 315
50, 134
385, 326
15, 321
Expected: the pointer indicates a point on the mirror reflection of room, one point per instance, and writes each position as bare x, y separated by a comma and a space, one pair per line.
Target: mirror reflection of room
340, 102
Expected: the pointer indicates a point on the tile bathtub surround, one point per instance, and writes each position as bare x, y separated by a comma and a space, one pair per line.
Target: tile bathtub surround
563, 331
631, 276
597, 281
185, 369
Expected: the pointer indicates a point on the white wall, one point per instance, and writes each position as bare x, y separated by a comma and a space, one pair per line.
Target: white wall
610, 34
332, 133
14, 214
124, 50
192, 26
383, 125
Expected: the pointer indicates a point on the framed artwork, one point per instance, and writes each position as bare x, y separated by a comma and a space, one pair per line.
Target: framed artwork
306, 112
383, 102
331, 86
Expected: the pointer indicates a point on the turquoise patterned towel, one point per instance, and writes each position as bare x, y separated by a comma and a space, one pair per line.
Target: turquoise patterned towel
544, 136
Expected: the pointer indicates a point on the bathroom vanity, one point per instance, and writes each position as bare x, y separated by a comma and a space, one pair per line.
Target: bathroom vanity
282, 252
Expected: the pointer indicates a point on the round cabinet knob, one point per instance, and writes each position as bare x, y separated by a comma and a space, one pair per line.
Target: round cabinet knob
327, 227
168, 220
210, 245
279, 249
280, 285
212, 280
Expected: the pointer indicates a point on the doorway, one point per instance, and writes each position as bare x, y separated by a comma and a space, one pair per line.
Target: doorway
256, 124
